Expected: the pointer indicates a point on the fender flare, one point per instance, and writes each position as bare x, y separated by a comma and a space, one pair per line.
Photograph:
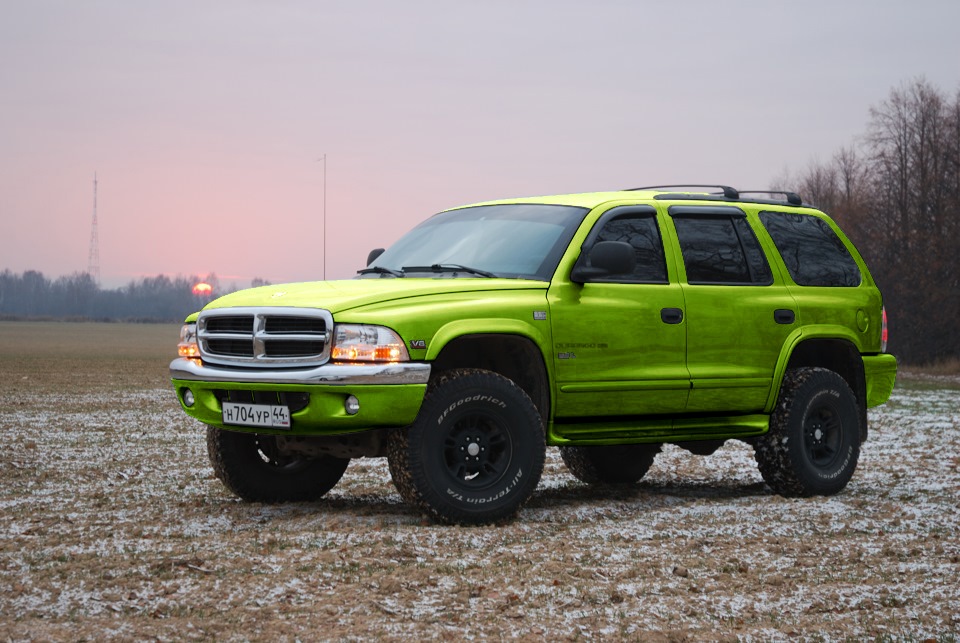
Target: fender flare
795, 339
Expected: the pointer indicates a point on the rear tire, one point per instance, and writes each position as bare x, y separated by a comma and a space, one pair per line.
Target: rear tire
813, 443
251, 466
616, 464
475, 452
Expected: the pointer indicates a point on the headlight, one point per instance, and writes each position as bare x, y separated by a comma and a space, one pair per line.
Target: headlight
363, 343
188, 341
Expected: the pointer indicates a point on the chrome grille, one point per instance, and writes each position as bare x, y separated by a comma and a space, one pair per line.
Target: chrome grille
265, 337
230, 324
234, 347
292, 348
280, 325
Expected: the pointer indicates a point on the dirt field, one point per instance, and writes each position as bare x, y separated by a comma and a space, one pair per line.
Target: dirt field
113, 528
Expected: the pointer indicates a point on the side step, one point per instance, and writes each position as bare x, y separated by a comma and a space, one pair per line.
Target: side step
628, 430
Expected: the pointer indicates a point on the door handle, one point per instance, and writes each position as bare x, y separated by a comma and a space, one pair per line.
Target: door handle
671, 315
784, 316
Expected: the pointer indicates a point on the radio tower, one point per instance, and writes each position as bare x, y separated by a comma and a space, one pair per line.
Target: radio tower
93, 262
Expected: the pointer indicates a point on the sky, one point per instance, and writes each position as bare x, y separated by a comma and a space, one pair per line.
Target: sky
206, 123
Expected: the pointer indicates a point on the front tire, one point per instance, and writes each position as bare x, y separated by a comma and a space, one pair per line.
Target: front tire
813, 443
622, 464
475, 452
252, 467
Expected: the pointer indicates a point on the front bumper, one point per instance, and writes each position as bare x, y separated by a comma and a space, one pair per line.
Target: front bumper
184, 368
390, 395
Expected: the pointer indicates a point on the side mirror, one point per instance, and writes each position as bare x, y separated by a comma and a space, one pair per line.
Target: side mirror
373, 255
604, 259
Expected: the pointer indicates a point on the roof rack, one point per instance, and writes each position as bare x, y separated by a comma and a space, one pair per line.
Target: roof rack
726, 190
792, 197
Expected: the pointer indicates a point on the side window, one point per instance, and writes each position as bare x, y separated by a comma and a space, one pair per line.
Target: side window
721, 250
812, 251
641, 232
756, 261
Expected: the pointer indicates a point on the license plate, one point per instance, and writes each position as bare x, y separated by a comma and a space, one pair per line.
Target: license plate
277, 417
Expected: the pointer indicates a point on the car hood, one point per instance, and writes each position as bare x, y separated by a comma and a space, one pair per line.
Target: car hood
338, 296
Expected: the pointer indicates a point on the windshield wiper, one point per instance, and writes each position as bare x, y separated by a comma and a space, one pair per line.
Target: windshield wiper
382, 271
448, 267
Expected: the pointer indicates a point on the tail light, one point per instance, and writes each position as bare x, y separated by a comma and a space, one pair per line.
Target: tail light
883, 330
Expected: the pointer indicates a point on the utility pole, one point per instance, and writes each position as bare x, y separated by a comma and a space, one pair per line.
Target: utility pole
324, 217
93, 260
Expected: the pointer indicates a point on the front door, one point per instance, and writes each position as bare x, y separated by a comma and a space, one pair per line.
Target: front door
620, 341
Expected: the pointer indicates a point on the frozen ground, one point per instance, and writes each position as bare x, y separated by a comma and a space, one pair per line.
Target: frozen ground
113, 528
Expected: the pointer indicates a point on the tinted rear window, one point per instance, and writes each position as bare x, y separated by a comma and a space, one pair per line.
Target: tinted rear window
812, 251
720, 250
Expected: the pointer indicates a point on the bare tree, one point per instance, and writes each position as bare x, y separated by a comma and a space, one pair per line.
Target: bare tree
897, 194
915, 214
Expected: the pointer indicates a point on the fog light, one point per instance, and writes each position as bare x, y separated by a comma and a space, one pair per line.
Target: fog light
188, 397
351, 405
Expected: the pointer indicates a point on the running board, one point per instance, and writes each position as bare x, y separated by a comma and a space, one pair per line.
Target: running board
627, 430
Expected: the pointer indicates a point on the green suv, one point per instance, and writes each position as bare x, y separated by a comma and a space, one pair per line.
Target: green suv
605, 324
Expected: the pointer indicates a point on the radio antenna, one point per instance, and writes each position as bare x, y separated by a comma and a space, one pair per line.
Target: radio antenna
324, 159
324, 217
93, 259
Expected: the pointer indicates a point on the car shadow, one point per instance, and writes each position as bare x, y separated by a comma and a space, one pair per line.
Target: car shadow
546, 504
573, 493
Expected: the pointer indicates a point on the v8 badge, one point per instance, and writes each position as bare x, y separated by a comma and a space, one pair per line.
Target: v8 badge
418, 343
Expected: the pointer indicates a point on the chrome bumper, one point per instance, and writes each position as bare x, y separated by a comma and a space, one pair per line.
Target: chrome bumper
183, 368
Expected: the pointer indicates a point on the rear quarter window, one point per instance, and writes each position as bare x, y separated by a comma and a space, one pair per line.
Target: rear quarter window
812, 251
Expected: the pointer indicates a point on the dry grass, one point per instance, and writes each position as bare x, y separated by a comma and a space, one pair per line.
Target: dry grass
948, 368
113, 528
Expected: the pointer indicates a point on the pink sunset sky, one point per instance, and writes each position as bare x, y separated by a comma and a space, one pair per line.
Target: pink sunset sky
205, 121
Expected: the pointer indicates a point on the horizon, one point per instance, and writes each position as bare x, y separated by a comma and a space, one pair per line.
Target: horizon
206, 126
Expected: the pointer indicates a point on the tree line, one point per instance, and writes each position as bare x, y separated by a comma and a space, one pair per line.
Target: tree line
31, 295
895, 191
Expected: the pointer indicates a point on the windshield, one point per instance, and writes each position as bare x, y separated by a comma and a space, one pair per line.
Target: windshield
522, 241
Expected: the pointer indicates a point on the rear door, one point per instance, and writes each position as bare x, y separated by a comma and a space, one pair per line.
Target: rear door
620, 341
739, 312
